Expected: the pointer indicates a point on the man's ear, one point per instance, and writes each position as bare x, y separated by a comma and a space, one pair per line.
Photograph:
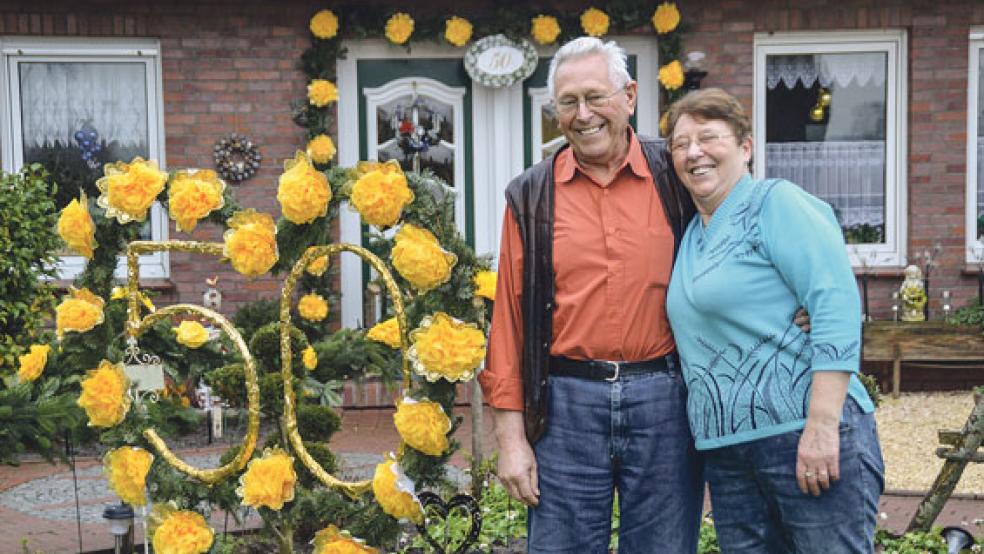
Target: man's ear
632, 95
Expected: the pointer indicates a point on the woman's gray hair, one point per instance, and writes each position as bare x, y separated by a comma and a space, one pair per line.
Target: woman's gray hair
618, 72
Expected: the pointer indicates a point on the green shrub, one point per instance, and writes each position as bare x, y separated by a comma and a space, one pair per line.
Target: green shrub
265, 346
317, 423
870, 383
253, 315
229, 383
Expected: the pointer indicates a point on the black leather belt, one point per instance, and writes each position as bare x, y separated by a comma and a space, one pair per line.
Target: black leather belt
604, 370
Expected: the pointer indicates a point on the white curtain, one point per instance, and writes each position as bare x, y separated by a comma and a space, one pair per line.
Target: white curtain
849, 175
57, 99
863, 69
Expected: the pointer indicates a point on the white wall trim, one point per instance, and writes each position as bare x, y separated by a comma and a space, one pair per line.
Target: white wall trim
974, 246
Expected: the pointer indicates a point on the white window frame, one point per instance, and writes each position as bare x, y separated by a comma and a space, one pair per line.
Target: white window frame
15, 50
974, 251
893, 43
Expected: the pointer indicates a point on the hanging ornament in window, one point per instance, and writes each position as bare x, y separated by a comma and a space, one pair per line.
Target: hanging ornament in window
236, 158
88, 140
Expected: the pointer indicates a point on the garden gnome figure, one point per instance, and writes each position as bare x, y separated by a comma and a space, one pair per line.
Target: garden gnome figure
212, 298
913, 295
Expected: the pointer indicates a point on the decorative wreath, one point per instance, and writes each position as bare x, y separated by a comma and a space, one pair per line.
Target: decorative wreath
236, 157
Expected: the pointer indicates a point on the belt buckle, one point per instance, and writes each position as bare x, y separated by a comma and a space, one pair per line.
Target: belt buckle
617, 366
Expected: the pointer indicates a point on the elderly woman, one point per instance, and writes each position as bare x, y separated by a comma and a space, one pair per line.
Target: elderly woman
787, 429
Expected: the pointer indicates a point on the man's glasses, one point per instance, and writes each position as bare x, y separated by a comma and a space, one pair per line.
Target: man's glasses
570, 104
703, 140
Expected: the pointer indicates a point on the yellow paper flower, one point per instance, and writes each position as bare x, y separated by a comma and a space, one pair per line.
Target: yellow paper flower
310, 358
423, 425
126, 471
380, 196
76, 228
321, 149
192, 195
664, 122
395, 492
128, 189
304, 192
321, 92
419, 258
386, 332
324, 24
332, 541
251, 243
104, 394
312, 307
32, 364
457, 30
671, 75
318, 266
269, 480
545, 29
79, 312
594, 22
485, 282
666, 18
119, 293
399, 27
191, 334
176, 531
446, 348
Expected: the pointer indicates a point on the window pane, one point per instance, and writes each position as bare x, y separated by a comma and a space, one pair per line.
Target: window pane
417, 126
552, 137
825, 131
980, 147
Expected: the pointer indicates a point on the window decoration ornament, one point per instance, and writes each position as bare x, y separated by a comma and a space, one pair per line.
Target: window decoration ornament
236, 157
88, 140
497, 61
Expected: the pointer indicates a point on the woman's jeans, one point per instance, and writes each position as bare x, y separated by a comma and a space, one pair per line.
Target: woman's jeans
631, 435
758, 507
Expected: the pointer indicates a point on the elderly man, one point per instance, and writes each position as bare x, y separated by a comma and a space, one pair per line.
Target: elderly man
581, 369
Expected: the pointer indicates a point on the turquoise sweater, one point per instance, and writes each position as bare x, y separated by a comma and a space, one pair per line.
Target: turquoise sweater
769, 248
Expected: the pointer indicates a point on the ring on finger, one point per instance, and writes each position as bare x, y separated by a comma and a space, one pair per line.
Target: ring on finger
808, 474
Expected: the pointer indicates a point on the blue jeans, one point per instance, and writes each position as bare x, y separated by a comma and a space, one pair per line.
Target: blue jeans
758, 508
631, 435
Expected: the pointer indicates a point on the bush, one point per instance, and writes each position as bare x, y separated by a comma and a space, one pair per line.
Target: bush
253, 315
265, 346
317, 423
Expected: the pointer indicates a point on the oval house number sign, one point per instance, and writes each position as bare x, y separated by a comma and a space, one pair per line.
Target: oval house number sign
496, 61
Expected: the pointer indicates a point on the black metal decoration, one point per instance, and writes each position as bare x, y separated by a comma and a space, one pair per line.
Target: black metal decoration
236, 157
442, 509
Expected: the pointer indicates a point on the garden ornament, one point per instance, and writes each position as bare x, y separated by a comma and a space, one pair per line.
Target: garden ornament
913, 294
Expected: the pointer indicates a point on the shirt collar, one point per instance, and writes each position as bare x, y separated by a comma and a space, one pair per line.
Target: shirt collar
566, 163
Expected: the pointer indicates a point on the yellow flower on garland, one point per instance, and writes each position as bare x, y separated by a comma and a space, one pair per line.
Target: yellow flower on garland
386, 332
126, 471
176, 531
446, 348
380, 196
310, 358
32, 364
664, 123
666, 18
129, 189
321, 149
318, 266
269, 480
76, 228
192, 195
191, 334
485, 282
251, 243
395, 492
671, 75
321, 92
312, 307
104, 394
78, 313
457, 30
399, 27
419, 258
423, 425
303, 192
332, 541
324, 24
594, 22
545, 29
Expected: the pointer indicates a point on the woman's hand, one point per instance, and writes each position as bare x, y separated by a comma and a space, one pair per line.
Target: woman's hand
818, 455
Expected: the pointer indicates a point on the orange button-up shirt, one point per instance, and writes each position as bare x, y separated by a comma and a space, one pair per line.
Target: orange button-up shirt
612, 256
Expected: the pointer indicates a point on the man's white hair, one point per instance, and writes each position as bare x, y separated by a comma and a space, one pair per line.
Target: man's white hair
618, 72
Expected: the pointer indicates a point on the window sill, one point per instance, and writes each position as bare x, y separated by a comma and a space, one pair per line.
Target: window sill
879, 272
159, 285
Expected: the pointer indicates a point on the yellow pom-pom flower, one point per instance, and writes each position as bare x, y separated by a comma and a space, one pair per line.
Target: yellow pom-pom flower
485, 282
545, 29
104, 394
664, 123
191, 334
321, 149
380, 196
312, 307
318, 266
666, 18
79, 312
594, 22
129, 189
399, 27
332, 541
126, 471
303, 192
671, 75
395, 492
423, 425
457, 30
310, 358
176, 531
446, 348
251, 243
192, 195
324, 24
76, 228
419, 258
31, 365
269, 480
386, 332
321, 92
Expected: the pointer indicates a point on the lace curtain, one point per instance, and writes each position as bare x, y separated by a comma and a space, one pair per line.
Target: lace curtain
57, 99
863, 69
